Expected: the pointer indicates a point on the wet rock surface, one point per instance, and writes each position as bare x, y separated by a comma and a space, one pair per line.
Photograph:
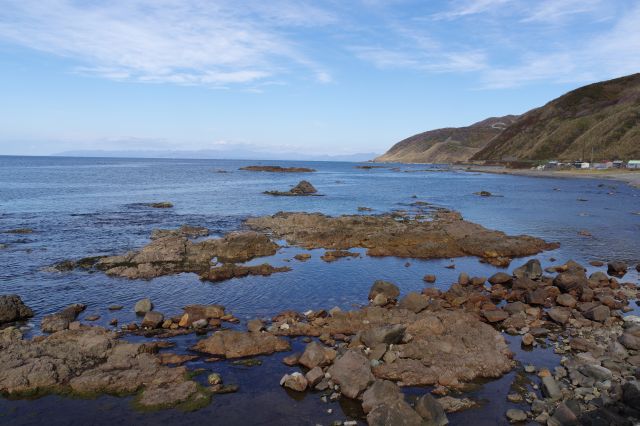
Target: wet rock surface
447, 235
12, 308
277, 169
86, 362
61, 320
237, 344
301, 189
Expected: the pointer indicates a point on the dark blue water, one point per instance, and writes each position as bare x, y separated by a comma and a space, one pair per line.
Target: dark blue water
87, 207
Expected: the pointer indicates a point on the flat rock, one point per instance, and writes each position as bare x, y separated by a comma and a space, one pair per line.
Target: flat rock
237, 344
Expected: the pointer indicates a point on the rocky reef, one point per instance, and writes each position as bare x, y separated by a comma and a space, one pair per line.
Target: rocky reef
277, 169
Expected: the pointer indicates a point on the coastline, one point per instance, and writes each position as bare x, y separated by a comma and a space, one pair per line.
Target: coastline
627, 176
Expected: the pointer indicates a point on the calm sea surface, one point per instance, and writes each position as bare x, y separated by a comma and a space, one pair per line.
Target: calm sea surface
82, 207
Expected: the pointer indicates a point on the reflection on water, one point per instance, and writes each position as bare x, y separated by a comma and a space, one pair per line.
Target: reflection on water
88, 207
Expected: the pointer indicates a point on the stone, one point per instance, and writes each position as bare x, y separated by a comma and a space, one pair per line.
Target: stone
314, 376
563, 416
617, 268
527, 339
559, 315
390, 334
496, 315
431, 411
13, 309
301, 189
550, 388
463, 278
379, 393
566, 300
292, 359
631, 393
516, 415
152, 319
316, 354
398, 413
454, 405
415, 302
214, 379
255, 325
599, 313
237, 344
205, 311
515, 308
385, 288
630, 341
294, 381
143, 306
596, 372
352, 372
531, 270
61, 320
200, 324
500, 278
429, 278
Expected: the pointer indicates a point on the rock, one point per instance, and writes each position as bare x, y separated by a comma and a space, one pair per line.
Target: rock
596, 372
200, 324
301, 189
177, 359
515, 415
559, 315
599, 313
389, 334
161, 205
316, 355
527, 339
496, 315
445, 236
61, 320
115, 307
294, 381
429, 278
483, 193
277, 169
152, 319
515, 307
333, 255
387, 289
630, 341
415, 302
13, 309
143, 306
230, 270
204, 311
631, 393
352, 372
90, 360
302, 257
237, 344
398, 413
453, 405
563, 416
184, 231
431, 411
255, 325
617, 268
314, 376
571, 280
379, 393
531, 270
566, 300
500, 278
292, 359
550, 388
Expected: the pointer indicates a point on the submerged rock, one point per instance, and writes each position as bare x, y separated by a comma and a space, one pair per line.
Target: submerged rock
161, 205
446, 236
229, 270
13, 309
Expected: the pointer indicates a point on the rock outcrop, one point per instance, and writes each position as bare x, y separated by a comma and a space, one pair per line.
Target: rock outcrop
13, 309
301, 189
277, 169
237, 344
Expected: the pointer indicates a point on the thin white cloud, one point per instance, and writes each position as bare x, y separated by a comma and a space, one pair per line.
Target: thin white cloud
182, 42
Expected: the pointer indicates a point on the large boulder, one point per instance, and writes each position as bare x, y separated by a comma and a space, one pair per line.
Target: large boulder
398, 413
143, 306
352, 372
389, 334
237, 344
152, 319
531, 270
294, 381
13, 309
381, 392
387, 289
431, 411
617, 268
61, 320
316, 354
304, 187
415, 302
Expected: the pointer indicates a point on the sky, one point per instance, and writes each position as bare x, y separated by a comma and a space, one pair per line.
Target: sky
309, 77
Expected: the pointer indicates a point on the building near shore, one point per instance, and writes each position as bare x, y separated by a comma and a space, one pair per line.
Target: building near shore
633, 164
618, 164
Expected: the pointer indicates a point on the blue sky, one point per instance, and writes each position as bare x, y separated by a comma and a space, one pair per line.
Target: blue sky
313, 77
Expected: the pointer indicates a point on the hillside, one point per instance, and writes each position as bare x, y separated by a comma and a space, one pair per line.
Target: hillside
602, 117
446, 145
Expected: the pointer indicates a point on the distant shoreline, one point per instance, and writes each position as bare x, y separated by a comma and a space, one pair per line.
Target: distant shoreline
631, 177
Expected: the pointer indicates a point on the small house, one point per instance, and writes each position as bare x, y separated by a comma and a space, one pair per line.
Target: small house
633, 164
618, 164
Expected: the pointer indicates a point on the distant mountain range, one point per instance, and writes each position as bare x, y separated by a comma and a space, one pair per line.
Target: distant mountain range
600, 120
219, 155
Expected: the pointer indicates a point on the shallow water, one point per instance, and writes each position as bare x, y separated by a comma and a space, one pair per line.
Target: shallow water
87, 207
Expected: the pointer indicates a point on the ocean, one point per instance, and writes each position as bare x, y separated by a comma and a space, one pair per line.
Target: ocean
79, 207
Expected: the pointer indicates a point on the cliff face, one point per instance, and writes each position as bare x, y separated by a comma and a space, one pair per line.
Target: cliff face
447, 145
601, 118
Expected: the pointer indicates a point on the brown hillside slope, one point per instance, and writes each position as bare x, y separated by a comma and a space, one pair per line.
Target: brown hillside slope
446, 145
602, 117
